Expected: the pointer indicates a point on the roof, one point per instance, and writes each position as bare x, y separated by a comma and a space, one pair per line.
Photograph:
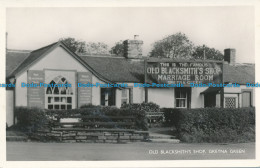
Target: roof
14, 58
117, 69
240, 73
34, 55
211, 90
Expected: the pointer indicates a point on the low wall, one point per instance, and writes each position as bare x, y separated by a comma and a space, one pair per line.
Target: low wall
90, 137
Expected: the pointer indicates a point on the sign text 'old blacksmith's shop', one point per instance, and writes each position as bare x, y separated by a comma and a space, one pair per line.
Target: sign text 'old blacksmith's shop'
184, 72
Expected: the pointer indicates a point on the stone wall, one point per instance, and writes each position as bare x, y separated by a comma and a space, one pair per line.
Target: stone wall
90, 137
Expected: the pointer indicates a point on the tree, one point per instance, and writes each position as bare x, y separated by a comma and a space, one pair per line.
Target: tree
210, 53
81, 47
75, 45
96, 48
174, 46
118, 49
179, 46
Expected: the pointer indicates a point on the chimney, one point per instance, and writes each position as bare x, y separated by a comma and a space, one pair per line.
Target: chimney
133, 48
230, 56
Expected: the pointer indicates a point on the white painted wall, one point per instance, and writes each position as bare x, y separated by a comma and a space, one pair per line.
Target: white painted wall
197, 99
118, 98
58, 59
21, 92
9, 108
96, 91
138, 93
217, 100
164, 97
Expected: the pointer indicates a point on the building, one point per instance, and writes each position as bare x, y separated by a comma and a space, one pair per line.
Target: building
57, 64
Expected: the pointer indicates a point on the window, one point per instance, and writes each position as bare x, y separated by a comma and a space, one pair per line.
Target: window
181, 97
108, 97
230, 102
127, 94
59, 98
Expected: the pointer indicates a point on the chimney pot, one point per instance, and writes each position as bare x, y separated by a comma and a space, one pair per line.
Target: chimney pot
136, 37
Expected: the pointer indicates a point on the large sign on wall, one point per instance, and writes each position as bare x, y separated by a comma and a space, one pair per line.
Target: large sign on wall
84, 93
184, 72
36, 95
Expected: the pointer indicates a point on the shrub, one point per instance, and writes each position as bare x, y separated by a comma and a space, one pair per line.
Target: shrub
33, 119
30, 119
213, 124
146, 107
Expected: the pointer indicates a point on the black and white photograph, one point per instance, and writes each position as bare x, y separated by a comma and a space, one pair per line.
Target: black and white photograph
130, 83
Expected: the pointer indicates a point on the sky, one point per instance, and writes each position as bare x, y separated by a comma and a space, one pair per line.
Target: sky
217, 27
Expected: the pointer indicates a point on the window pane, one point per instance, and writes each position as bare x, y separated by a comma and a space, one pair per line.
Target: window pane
56, 107
177, 94
56, 90
63, 99
56, 99
48, 91
50, 106
69, 106
69, 91
52, 83
50, 99
63, 107
63, 79
63, 90
180, 103
183, 94
68, 99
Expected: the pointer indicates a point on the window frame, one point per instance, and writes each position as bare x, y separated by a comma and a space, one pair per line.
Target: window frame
230, 98
180, 98
69, 94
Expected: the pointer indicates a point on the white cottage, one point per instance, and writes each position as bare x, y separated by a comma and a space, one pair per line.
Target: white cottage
57, 64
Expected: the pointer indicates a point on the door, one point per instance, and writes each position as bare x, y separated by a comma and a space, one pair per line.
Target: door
210, 100
246, 99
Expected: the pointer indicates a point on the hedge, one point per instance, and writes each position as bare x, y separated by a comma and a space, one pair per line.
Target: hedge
145, 107
32, 119
212, 124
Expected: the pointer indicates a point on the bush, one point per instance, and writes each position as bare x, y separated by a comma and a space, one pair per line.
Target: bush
142, 109
213, 124
30, 119
33, 119
146, 107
